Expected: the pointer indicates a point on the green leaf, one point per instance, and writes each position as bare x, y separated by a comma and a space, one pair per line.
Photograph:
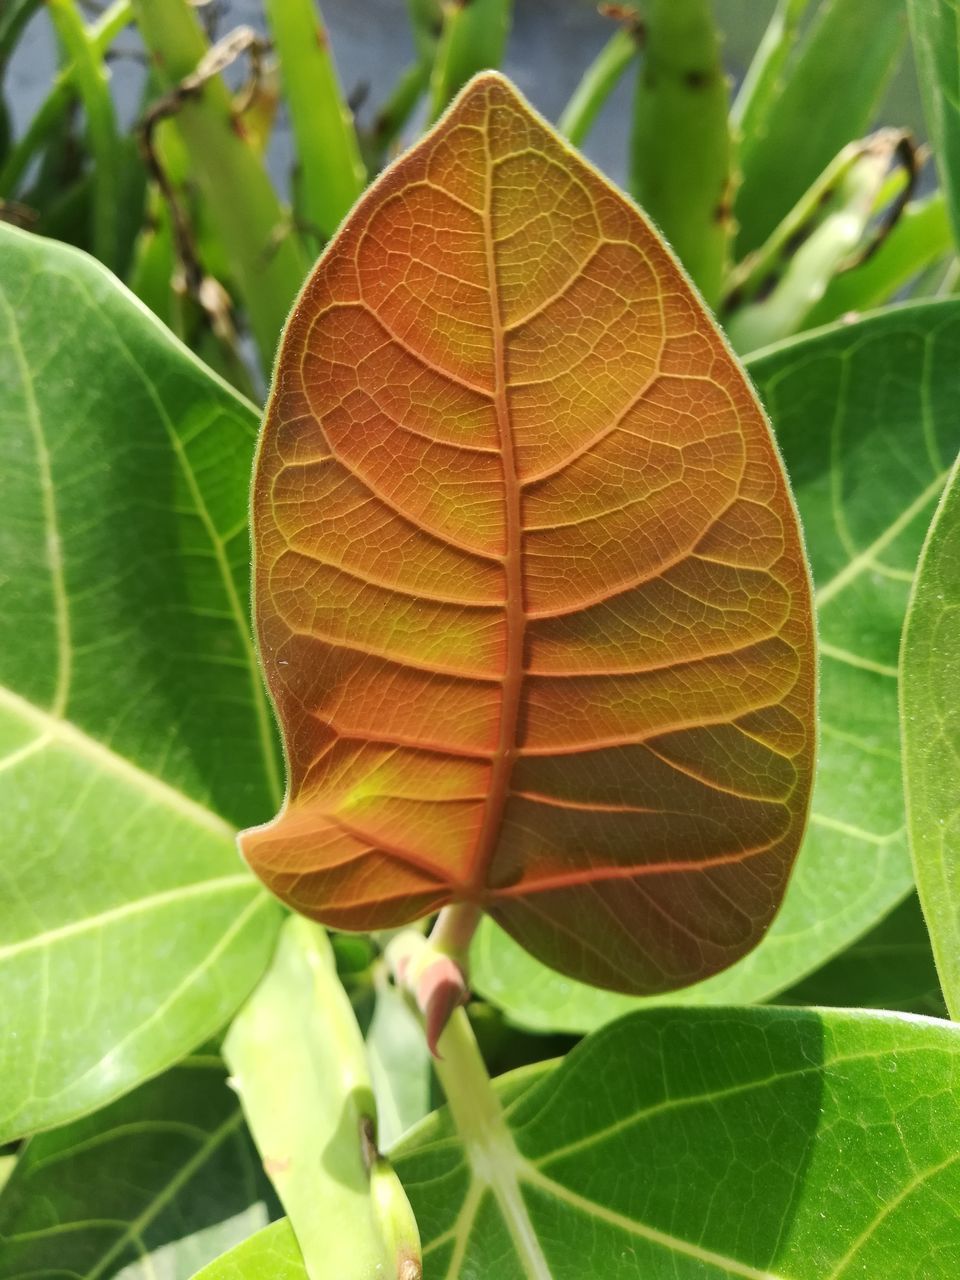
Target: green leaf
270, 1254
763, 1143
134, 732
680, 147
156, 1184
935, 27
865, 415
828, 96
930, 679
298, 1063
891, 967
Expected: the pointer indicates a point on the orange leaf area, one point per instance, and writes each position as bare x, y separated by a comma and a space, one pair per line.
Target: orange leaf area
531, 596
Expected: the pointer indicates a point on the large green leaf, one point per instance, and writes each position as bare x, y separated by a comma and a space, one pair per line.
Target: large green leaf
155, 1185
935, 26
681, 1144
930, 685
828, 95
134, 731
866, 419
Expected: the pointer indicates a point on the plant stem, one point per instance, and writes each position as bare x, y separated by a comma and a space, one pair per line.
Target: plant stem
102, 34
597, 83
266, 257
454, 930
489, 1148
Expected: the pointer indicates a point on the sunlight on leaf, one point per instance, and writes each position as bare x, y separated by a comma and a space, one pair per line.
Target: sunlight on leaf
531, 598
715, 1144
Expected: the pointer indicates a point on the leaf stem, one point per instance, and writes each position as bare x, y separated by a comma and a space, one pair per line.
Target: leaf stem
454, 930
489, 1147
597, 83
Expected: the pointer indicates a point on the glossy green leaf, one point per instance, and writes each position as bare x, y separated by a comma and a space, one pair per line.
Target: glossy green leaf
154, 1185
828, 95
865, 416
270, 1254
134, 731
891, 967
930, 703
935, 28
297, 1061
759, 1144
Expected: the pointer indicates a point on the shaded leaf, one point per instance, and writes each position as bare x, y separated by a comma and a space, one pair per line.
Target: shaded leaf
866, 417
134, 732
530, 592
765, 1144
891, 967
154, 1185
930, 680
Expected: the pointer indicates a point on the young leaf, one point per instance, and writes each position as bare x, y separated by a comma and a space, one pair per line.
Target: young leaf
828, 96
876, 399
680, 150
750, 1144
317, 1133
930, 680
530, 592
133, 727
157, 1183
935, 26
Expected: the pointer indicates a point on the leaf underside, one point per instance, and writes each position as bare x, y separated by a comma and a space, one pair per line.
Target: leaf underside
530, 593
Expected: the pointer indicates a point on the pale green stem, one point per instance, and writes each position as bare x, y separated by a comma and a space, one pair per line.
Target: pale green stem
489, 1148
92, 84
597, 83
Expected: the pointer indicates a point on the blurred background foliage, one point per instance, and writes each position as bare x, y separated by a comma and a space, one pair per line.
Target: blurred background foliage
206, 151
